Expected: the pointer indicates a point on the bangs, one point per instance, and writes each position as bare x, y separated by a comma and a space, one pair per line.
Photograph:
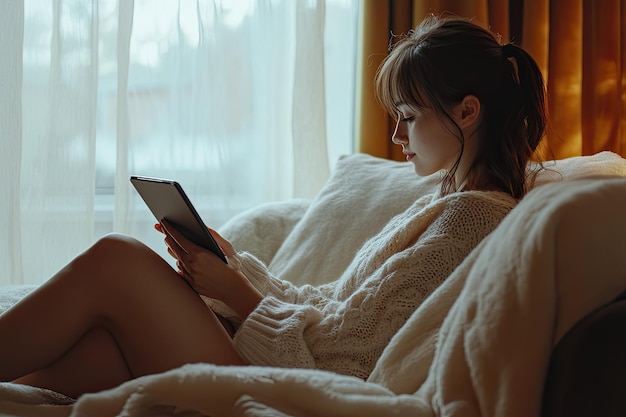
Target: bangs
398, 78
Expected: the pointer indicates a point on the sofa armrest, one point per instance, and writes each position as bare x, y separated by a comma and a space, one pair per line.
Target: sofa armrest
587, 373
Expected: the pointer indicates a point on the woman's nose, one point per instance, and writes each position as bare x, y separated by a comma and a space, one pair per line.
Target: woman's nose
399, 134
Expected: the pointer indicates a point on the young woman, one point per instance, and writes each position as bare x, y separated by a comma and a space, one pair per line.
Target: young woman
464, 104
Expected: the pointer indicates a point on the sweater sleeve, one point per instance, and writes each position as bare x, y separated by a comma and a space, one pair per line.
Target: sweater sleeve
348, 334
269, 286
259, 276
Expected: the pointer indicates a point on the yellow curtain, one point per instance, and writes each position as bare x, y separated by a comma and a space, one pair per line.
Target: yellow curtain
580, 46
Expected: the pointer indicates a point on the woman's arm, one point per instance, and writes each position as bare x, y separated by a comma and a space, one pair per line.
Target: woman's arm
345, 336
347, 332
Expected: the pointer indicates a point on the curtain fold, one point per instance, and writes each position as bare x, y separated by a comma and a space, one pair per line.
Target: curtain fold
11, 34
565, 76
122, 213
372, 124
380, 20
309, 100
603, 76
56, 185
578, 44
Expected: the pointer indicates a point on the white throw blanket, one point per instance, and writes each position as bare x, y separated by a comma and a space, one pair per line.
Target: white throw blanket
479, 346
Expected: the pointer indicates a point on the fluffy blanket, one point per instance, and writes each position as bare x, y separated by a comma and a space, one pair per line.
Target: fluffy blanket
480, 346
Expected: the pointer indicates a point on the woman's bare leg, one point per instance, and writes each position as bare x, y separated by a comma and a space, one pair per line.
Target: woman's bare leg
122, 287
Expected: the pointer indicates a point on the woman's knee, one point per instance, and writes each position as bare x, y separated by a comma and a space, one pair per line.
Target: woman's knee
116, 257
116, 245
118, 250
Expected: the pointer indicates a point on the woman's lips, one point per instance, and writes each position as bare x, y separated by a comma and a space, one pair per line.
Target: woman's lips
410, 156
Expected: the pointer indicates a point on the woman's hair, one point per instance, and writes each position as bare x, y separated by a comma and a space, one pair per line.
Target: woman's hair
447, 58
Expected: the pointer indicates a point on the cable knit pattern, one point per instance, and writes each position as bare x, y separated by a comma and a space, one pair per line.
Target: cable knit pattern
344, 326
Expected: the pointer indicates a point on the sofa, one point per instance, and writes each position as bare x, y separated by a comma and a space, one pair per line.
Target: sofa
528, 325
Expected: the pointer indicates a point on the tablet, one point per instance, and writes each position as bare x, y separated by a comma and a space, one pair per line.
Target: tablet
167, 201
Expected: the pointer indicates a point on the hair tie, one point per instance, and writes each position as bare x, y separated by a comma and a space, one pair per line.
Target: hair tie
508, 50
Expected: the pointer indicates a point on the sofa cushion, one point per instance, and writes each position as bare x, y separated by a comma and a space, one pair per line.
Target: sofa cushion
600, 164
262, 230
361, 196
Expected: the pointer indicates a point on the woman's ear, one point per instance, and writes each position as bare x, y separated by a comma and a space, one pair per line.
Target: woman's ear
467, 112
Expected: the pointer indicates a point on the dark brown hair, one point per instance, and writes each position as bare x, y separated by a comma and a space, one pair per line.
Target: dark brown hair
447, 58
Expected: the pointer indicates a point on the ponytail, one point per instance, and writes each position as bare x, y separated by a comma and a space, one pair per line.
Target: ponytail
532, 90
524, 127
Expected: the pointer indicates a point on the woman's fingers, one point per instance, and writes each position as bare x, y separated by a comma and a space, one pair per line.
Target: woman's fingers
182, 270
227, 247
199, 267
182, 242
172, 246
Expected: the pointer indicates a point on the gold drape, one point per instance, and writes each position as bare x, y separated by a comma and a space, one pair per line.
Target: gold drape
580, 46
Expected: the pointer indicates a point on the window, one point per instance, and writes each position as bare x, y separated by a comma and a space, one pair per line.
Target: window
217, 94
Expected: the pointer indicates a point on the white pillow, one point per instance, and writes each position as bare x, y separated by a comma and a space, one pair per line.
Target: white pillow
361, 196
261, 230
600, 164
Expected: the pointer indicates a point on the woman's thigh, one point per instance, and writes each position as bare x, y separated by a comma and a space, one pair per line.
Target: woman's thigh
158, 321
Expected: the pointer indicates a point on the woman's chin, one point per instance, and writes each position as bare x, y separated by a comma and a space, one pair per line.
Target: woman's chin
419, 169
422, 171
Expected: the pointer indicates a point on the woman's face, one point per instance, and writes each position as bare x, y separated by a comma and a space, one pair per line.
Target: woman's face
426, 141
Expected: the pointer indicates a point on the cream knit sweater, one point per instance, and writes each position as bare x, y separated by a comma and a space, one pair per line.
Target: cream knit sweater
344, 326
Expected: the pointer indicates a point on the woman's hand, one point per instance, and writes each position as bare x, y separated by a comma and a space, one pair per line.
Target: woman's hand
207, 274
227, 248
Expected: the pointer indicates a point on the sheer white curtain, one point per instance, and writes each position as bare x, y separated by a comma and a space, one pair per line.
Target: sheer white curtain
242, 102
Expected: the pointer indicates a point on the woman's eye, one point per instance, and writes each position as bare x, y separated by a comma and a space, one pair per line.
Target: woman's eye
407, 119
